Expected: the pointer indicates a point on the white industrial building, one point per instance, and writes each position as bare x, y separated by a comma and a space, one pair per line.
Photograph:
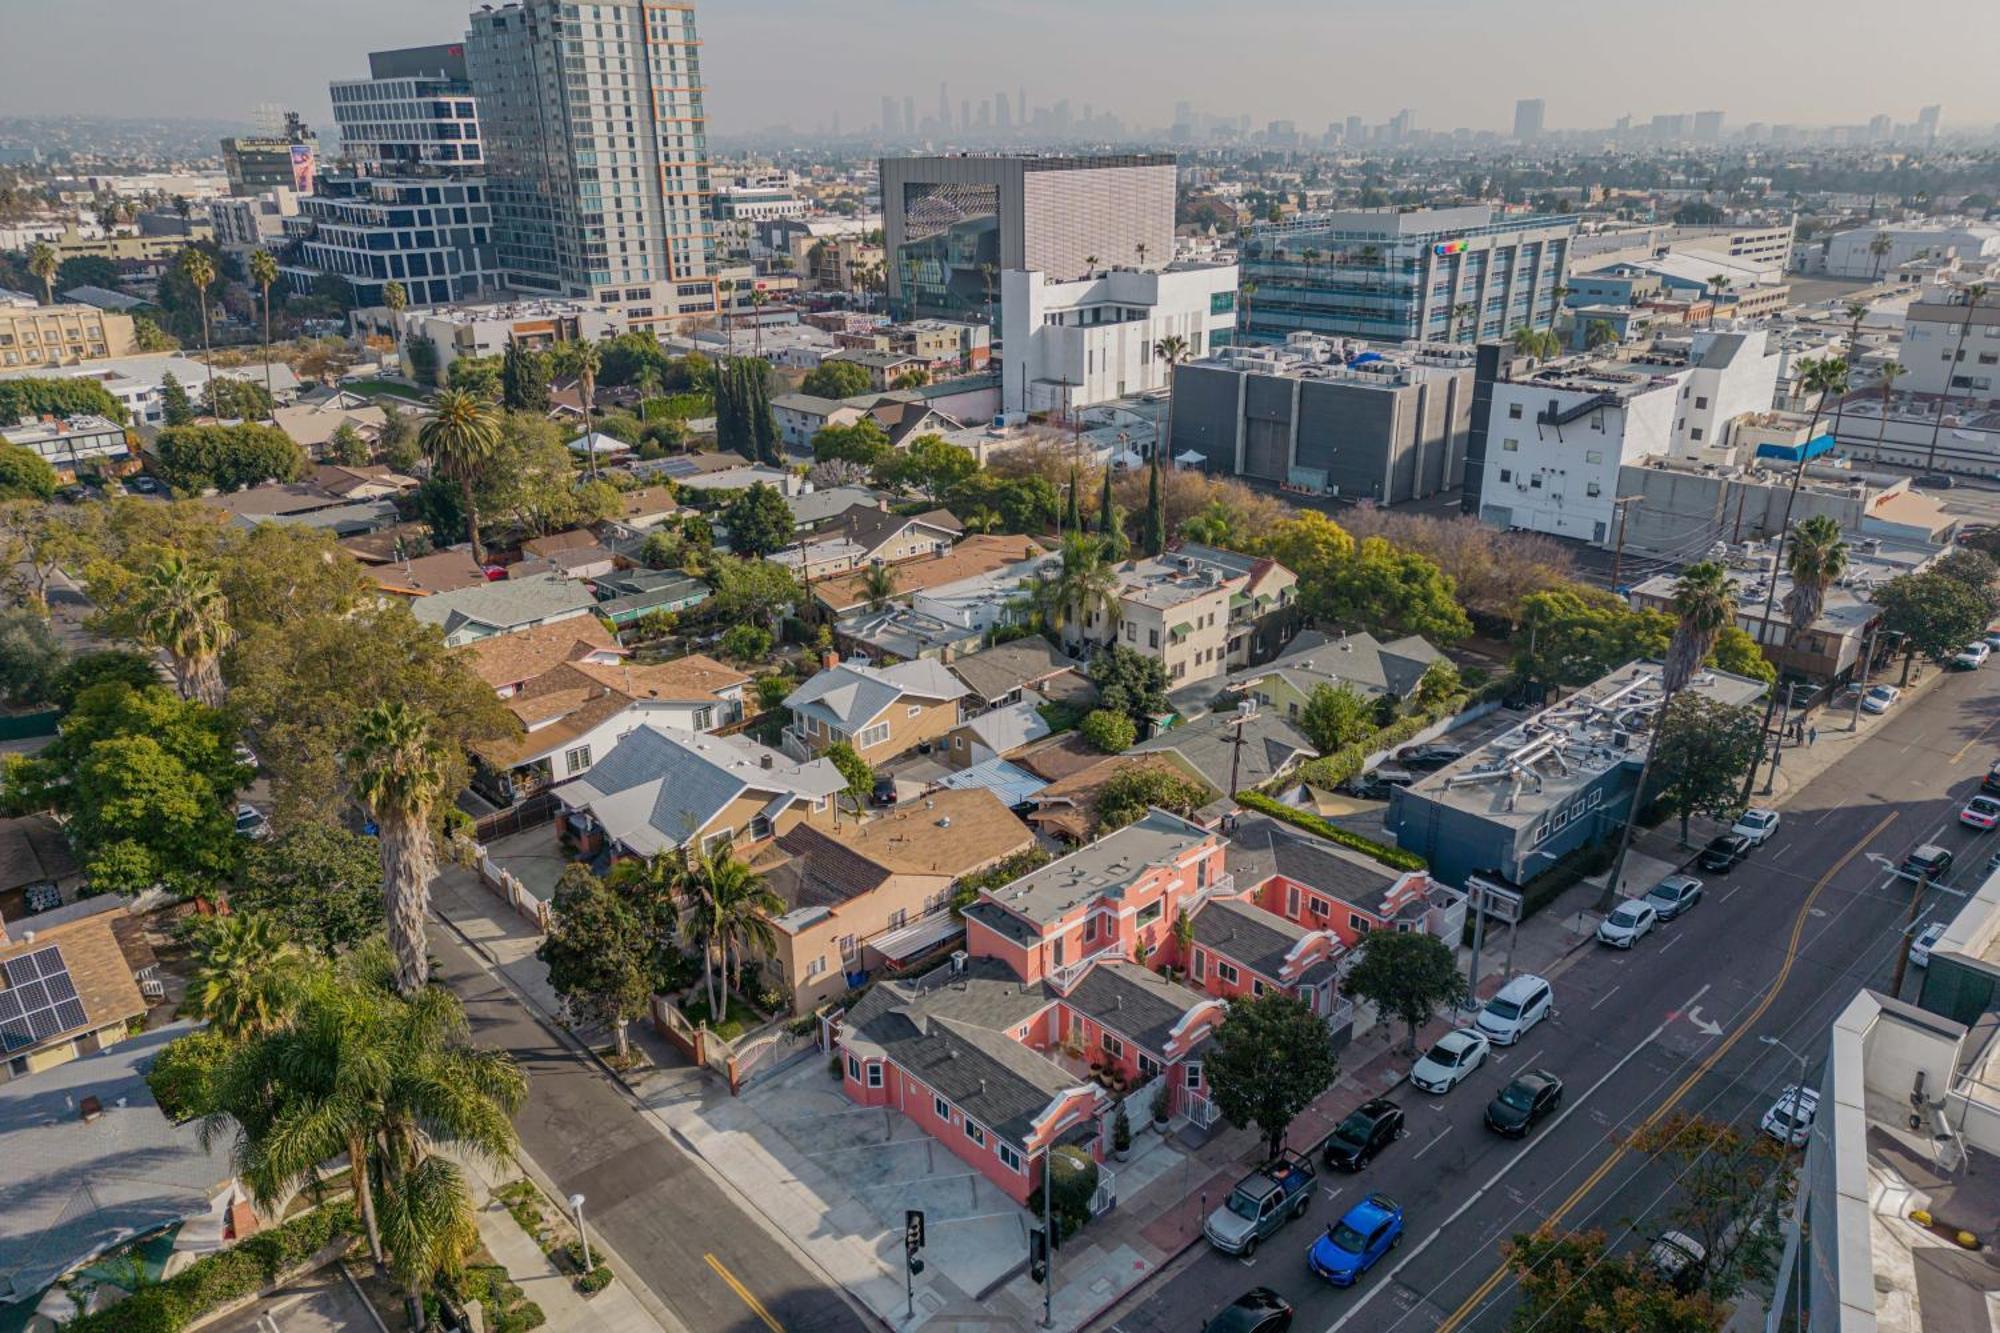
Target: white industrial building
1074, 343
1951, 345
1848, 254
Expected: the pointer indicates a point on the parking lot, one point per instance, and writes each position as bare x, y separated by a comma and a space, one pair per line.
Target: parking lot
321, 1302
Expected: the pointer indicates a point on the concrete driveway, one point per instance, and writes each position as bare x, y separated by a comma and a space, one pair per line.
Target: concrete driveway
974, 1233
321, 1302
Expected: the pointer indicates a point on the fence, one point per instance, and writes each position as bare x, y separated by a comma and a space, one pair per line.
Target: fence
539, 809
501, 882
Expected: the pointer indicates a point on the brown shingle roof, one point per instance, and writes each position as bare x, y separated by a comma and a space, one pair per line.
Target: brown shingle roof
440, 571
574, 539
696, 676
509, 659
97, 967
972, 557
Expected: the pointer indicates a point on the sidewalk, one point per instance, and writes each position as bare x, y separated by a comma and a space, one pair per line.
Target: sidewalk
612, 1310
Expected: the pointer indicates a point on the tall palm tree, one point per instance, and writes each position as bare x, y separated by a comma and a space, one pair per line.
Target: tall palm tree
1084, 584
1856, 312
1880, 247
1891, 372
1172, 349
42, 262
245, 969
1140, 248
264, 272
702, 925
183, 612
583, 359
1717, 285
199, 270
1090, 266
1973, 294
745, 907
646, 380
459, 440
759, 298
1818, 556
878, 585
397, 767
1248, 290
1704, 604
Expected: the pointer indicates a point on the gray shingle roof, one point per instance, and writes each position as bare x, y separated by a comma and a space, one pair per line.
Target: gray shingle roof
852, 696
506, 604
1262, 847
1270, 746
1134, 1001
999, 671
1247, 934
73, 1189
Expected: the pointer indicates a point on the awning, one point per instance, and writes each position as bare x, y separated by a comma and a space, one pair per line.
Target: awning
1792, 453
919, 937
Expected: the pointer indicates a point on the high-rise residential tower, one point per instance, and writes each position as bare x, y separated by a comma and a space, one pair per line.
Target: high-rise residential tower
1528, 114
597, 152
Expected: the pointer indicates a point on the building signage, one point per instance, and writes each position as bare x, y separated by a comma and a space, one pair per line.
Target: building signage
1444, 248
304, 168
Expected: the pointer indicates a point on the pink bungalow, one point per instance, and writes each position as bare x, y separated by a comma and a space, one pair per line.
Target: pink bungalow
1320, 886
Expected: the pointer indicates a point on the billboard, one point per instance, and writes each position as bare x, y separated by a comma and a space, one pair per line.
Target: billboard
304, 167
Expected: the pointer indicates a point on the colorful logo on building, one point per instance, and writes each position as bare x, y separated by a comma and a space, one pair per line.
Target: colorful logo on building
1443, 248
305, 167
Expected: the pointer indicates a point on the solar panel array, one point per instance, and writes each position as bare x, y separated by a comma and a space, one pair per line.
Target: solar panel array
40, 1000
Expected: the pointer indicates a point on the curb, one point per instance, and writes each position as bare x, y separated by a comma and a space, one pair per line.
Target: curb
562, 1033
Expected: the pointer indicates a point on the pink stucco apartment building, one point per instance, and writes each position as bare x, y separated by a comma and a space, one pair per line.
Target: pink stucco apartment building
1003, 1053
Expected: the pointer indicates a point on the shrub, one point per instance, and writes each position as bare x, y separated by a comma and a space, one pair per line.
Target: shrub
520, 1319
1393, 857
771, 690
1073, 1176
596, 1280
1113, 733
746, 643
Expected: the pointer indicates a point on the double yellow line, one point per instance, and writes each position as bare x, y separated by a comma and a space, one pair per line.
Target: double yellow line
1701, 1071
743, 1292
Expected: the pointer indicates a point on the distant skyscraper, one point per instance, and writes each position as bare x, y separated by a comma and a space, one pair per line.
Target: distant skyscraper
889, 126
1021, 116
965, 113
1528, 119
1001, 117
1352, 136
1927, 121
597, 153
944, 106
909, 115
1880, 129
1707, 126
985, 115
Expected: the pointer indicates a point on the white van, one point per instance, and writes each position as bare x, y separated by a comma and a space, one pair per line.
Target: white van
1518, 1006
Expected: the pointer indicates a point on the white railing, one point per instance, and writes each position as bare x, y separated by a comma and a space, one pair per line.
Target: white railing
1106, 1196
1201, 1111
1062, 978
1340, 1015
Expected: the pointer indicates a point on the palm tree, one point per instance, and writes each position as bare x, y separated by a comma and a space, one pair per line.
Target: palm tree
397, 767
1461, 312
1542, 344
745, 907
42, 262
1141, 249
1172, 349
199, 270
1817, 558
646, 380
759, 298
1973, 294
1704, 604
1891, 372
1717, 285
878, 585
245, 969
1880, 248
584, 359
1248, 291
1856, 312
702, 925
723, 289
182, 611
459, 440
1090, 266
264, 272
1083, 585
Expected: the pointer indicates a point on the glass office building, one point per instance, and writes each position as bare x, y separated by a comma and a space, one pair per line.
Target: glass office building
1433, 275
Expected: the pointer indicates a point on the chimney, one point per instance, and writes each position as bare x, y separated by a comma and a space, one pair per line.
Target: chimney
829, 660
767, 761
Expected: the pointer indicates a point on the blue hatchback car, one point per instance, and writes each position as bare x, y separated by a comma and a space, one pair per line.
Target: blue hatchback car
1352, 1245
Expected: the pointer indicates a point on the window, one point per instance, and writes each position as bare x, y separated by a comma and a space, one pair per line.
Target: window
1148, 1066
871, 736
943, 1109
915, 710
1513, 411
1695, 434
1225, 973
854, 1069
1357, 922
975, 1133
1593, 455
1318, 906
1009, 1158
847, 946
1510, 446
1194, 1075
1113, 1048
816, 967
1152, 638
1592, 488
718, 839
1256, 986
874, 1075
1505, 476
1292, 900
1148, 914
1700, 403
575, 761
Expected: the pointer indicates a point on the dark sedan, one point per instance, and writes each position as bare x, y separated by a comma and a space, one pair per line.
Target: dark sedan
1533, 1095
1258, 1310
1723, 852
1426, 758
1367, 1131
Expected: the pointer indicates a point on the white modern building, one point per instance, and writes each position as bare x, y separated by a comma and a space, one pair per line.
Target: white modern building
596, 145
73, 444
1076, 342
1850, 254
1952, 345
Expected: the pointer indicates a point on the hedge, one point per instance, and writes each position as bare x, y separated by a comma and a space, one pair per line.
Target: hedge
217, 1279
1393, 857
1330, 770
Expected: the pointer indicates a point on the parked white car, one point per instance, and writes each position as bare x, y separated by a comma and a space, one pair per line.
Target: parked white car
1516, 1007
1972, 656
1627, 923
1446, 1065
1920, 948
1880, 698
1756, 824
1790, 1118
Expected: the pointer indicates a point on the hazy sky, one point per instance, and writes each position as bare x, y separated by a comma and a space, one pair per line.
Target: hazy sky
774, 61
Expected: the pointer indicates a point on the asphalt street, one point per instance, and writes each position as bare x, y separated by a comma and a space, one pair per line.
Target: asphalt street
1776, 948
686, 1237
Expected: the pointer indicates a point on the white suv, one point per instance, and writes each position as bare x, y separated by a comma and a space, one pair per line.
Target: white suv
1516, 1007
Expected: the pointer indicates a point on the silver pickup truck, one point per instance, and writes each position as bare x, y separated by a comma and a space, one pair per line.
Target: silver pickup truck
1262, 1201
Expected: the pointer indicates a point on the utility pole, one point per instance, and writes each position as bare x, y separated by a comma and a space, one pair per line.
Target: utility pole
1778, 742
1048, 1239
1244, 712
913, 1241
1861, 675
1618, 550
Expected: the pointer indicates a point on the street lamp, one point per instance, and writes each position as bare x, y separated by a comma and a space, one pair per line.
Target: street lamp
1798, 1221
576, 1207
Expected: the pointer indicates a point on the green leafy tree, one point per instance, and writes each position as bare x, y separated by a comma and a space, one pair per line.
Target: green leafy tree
599, 954
226, 458
1738, 652
25, 474
398, 439
753, 590
421, 354
1935, 613
231, 398
31, 657
1336, 716
1570, 1281
1072, 1178
1081, 587
864, 442
106, 666
836, 379
1131, 683
1127, 794
931, 467
1108, 731
1703, 749
28, 398
476, 375
175, 409
745, 643
347, 447
1438, 685
1573, 635
530, 477
860, 777
1407, 976
759, 521
524, 380
1268, 1060
1732, 1192
148, 336
1387, 588
1974, 568
460, 439
398, 770
1153, 526
319, 881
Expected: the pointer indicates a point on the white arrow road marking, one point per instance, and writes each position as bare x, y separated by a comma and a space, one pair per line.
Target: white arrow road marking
1694, 1017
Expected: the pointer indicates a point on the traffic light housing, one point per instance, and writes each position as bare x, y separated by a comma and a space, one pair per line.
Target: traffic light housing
1038, 1254
913, 1231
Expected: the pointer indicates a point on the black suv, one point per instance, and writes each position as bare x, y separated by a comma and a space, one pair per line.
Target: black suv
1723, 852
1376, 786
1990, 784
1533, 1094
1372, 1127
1929, 861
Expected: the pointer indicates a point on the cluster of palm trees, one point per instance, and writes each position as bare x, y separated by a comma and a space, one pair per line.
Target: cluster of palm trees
1082, 585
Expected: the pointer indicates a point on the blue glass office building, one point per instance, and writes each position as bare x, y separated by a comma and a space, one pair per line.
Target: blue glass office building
1435, 275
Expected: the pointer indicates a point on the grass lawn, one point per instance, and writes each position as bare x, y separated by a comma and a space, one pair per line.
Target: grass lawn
382, 388
737, 1019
